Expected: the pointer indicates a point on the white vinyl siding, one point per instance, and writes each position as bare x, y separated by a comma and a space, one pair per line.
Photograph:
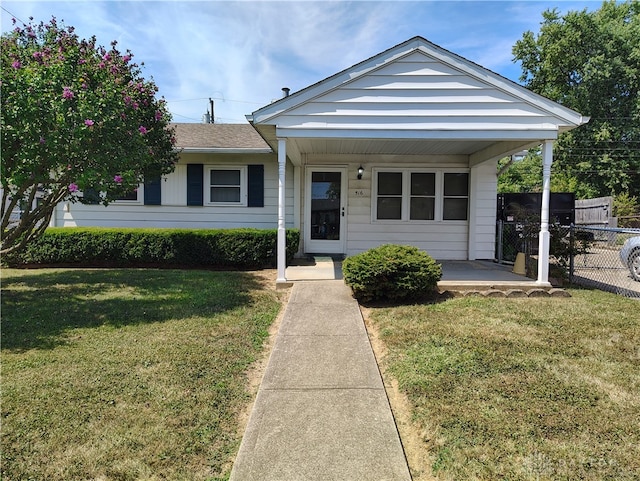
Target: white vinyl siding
417, 92
174, 213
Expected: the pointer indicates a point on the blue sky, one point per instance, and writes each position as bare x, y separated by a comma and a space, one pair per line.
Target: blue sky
242, 53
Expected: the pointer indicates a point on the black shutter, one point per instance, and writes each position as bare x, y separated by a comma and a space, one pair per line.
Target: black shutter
194, 184
90, 196
152, 191
255, 190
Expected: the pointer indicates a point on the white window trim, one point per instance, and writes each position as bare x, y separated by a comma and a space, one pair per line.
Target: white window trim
243, 185
139, 200
406, 195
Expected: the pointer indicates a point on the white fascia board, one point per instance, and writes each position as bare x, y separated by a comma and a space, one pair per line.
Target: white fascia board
220, 150
538, 134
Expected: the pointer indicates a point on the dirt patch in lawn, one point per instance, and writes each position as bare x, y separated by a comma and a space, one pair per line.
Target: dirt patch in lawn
415, 441
267, 278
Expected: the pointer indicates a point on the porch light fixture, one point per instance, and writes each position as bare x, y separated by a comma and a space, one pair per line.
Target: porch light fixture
360, 172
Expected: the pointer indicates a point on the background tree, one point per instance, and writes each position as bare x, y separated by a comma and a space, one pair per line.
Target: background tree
520, 175
525, 175
590, 62
76, 117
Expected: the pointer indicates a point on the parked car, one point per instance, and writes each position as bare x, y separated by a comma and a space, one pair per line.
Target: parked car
630, 256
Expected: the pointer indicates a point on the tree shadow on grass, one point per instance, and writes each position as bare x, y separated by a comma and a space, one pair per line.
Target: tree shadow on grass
39, 309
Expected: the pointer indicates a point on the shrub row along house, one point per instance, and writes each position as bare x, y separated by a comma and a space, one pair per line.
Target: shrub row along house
400, 148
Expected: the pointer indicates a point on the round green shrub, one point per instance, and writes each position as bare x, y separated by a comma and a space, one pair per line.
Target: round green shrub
391, 272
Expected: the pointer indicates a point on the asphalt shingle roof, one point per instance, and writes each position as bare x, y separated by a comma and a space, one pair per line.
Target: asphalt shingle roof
217, 136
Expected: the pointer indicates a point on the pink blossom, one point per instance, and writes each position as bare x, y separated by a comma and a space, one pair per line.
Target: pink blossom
142, 129
106, 57
42, 141
126, 58
135, 105
88, 122
81, 61
117, 179
16, 64
101, 65
158, 115
73, 187
37, 55
67, 93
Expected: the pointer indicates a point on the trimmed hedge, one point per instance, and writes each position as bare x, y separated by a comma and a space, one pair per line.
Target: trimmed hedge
391, 272
115, 247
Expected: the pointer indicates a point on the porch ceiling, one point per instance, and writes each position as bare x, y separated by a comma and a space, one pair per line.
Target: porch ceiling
481, 149
388, 146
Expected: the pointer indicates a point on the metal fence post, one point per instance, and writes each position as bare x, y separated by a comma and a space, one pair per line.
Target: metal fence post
500, 235
572, 251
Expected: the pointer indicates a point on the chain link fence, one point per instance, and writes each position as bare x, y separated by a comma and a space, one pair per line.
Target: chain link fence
579, 255
601, 265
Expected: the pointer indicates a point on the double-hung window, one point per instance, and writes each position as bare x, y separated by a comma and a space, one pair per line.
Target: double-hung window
413, 195
227, 186
456, 196
133, 196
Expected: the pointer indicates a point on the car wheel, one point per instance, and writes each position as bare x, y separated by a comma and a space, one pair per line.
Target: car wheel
634, 264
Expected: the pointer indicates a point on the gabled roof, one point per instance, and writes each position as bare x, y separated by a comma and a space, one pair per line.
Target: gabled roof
415, 98
429, 50
222, 138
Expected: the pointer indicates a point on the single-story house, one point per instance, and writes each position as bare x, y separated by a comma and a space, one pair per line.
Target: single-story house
399, 148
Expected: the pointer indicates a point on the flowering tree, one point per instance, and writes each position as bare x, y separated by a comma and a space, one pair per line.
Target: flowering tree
76, 117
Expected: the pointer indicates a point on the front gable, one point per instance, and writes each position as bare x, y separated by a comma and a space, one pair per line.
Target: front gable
416, 92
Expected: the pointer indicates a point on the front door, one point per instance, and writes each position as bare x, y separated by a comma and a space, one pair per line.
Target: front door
325, 217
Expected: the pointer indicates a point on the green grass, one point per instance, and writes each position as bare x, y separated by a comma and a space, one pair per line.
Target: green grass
521, 389
127, 374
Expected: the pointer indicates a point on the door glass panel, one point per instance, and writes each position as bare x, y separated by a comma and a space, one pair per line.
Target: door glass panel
325, 205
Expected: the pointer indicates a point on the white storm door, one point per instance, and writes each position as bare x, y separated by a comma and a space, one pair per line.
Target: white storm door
325, 210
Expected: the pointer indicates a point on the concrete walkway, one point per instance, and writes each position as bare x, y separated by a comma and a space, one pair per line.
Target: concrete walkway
321, 412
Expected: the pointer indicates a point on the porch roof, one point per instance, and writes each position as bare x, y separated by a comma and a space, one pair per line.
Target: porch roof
413, 99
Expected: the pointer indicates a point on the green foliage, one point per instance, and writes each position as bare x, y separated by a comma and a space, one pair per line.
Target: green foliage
391, 272
110, 247
520, 175
75, 117
625, 206
525, 175
590, 62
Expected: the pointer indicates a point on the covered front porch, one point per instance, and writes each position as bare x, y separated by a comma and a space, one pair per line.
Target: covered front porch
477, 277
402, 148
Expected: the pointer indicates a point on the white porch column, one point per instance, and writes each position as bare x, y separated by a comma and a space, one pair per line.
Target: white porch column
282, 233
544, 236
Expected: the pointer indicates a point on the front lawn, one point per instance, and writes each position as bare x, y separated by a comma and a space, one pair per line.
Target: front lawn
127, 374
520, 389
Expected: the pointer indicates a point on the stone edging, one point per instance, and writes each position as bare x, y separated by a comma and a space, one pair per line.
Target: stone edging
509, 293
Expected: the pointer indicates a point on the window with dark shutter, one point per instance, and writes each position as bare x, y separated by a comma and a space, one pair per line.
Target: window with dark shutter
194, 184
255, 174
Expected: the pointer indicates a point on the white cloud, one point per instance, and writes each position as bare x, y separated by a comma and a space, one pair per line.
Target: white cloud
243, 53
